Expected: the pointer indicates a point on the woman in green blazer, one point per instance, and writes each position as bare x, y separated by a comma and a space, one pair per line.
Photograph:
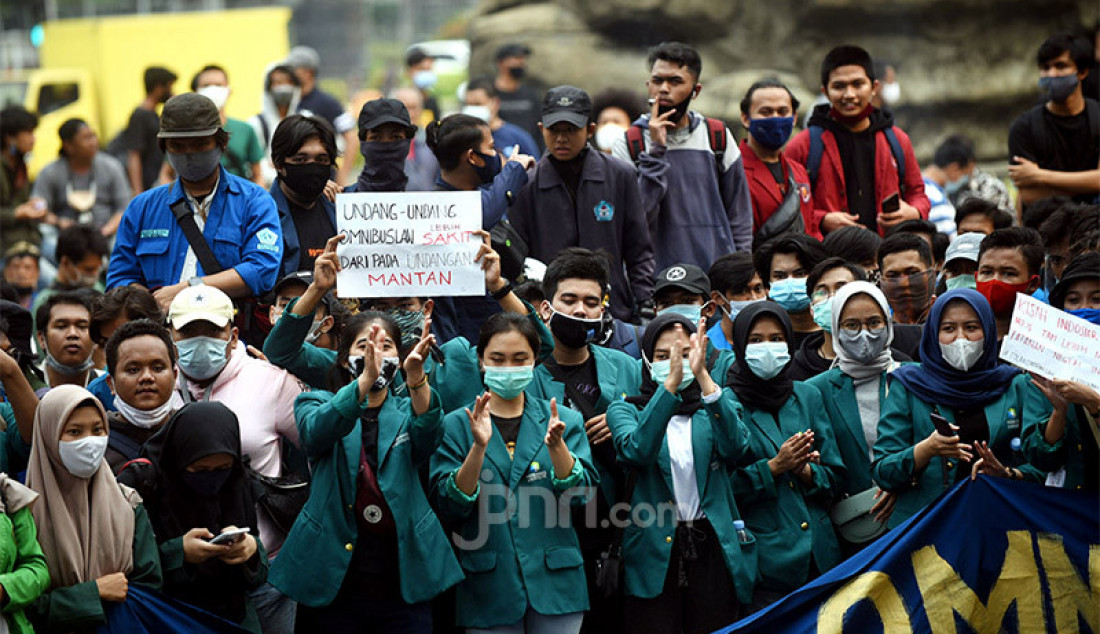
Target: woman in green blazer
506, 475
23, 571
788, 483
1058, 413
960, 378
376, 550
689, 570
853, 390
93, 550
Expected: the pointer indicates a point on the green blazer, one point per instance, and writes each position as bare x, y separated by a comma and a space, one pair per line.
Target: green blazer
790, 519
1068, 452
529, 557
451, 377
325, 533
905, 421
23, 570
838, 395
619, 376
719, 442
79, 607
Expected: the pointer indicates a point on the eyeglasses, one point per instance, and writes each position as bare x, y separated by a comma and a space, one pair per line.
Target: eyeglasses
853, 326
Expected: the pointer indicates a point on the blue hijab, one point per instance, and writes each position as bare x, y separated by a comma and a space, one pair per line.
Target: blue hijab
936, 382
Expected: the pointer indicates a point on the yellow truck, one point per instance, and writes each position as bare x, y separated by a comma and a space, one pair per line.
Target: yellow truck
92, 68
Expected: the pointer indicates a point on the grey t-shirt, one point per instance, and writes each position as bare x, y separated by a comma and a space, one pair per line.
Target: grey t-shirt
112, 191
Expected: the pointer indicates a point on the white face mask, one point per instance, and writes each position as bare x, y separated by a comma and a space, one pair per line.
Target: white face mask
315, 331
891, 92
83, 457
218, 94
608, 134
147, 418
963, 353
480, 112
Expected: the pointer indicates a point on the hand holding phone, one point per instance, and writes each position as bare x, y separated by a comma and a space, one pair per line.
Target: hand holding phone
229, 537
891, 203
943, 427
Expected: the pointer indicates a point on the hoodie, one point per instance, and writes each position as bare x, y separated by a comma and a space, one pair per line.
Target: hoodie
265, 122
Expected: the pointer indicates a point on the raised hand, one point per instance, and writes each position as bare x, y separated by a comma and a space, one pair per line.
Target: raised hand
660, 124
481, 422
490, 262
675, 363
327, 265
987, 463
414, 361
555, 427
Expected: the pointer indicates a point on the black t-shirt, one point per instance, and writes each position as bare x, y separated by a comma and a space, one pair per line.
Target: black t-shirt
776, 169
582, 377
857, 154
140, 135
1063, 144
314, 229
323, 105
523, 107
509, 431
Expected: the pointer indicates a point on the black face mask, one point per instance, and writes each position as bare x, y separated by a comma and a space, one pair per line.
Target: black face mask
576, 333
517, 72
306, 181
681, 109
384, 170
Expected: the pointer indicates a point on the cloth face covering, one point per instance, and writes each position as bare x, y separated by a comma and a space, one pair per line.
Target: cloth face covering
384, 170
909, 296
771, 132
195, 166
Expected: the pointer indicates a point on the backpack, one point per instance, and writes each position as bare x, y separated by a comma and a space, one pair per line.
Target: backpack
817, 148
716, 135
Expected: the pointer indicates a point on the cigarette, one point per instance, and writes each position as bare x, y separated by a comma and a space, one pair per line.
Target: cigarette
651, 101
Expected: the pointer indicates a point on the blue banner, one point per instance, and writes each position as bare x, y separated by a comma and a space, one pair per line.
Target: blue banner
990, 555
146, 611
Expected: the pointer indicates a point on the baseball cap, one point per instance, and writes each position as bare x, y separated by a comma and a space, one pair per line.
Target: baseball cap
204, 303
512, 50
22, 248
303, 278
965, 246
684, 276
1085, 266
566, 103
381, 111
189, 115
303, 57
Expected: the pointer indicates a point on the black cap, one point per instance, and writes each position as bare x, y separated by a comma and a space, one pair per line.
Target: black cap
189, 115
513, 50
305, 278
566, 103
381, 111
1086, 266
684, 276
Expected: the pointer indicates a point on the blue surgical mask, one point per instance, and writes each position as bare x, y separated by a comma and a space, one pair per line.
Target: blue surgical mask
961, 281
660, 370
1091, 315
424, 79
956, 186
693, 312
508, 382
736, 306
790, 293
771, 132
823, 314
768, 358
202, 358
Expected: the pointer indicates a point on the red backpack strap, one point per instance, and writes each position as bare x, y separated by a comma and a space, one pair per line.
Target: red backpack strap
716, 135
635, 142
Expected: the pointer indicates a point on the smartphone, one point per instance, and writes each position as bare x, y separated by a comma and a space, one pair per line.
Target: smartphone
941, 425
891, 203
229, 537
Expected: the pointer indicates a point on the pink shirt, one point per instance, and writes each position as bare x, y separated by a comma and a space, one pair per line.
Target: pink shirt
262, 396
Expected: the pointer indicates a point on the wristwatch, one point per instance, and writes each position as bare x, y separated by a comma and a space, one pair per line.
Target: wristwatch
195, 281
503, 291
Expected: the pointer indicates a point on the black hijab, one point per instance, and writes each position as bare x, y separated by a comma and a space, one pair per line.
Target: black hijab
690, 395
751, 390
195, 431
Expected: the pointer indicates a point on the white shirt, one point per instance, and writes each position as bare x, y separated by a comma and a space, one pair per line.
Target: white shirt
199, 211
685, 488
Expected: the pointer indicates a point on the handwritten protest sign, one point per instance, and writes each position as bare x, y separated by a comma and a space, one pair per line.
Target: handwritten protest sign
402, 244
1051, 343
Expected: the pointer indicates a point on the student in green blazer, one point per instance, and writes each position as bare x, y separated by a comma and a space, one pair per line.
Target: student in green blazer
1060, 416
523, 568
68, 472
17, 412
853, 391
687, 571
24, 575
586, 378
790, 478
959, 377
449, 367
377, 548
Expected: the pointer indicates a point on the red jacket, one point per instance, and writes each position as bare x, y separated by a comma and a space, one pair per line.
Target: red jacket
830, 192
766, 195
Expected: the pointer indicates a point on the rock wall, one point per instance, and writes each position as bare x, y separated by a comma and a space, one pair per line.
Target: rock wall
964, 65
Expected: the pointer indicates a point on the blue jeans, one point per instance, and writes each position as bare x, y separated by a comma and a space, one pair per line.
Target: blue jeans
275, 610
535, 623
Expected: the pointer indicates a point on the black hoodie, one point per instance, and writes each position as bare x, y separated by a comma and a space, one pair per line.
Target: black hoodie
857, 155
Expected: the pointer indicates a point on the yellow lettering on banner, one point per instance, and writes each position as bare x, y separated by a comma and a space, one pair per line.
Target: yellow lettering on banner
875, 586
945, 593
1068, 592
